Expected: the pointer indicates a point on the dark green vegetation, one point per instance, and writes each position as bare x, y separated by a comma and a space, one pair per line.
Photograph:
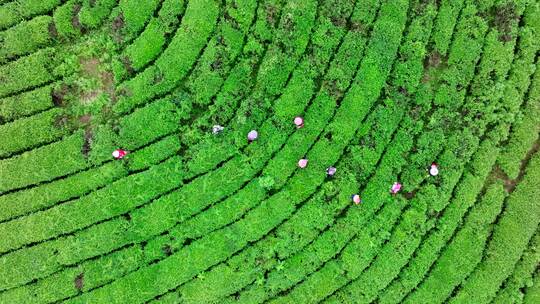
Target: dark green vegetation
386, 88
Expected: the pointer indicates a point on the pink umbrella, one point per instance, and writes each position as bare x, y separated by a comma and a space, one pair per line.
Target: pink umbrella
252, 135
302, 163
330, 171
356, 199
119, 153
395, 188
299, 122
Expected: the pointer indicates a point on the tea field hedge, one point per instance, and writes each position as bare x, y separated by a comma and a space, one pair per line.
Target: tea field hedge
396, 156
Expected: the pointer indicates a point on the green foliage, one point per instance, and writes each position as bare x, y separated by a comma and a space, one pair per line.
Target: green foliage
385, 89
514, 229
35, 32
176, 60
16, 11
30, 132
47, 162
26, 104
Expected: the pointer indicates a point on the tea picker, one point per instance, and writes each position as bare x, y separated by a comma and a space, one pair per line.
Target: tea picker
119, 153
434, 169
395, 188
252, 135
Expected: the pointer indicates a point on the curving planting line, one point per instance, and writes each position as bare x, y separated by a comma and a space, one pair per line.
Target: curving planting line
360, 290
226, 94
273, 210
28, 72
210, 178
465, 195
512, 289
46, 31
445, 23
310, 260
26, 104
29, 132
287, 115
131, 17
151, 42
521, 214
193, 14
16, 11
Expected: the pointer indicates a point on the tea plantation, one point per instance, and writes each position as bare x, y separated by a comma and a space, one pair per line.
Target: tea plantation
270, 151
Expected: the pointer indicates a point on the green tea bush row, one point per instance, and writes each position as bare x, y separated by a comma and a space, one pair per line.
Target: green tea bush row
407, 237
60, 285
463, 252
327, 53
45, 30
35, 32
30, 132
23, 202
82, 183
279, 206
16, 11
93, 12
26, 104
524, 132
514, 229
512, 289
130, 17
63, 17
446, 21
532, 293
28, 72
175, 61
151, 42
214, 177
420, 29
47, 162
471, 184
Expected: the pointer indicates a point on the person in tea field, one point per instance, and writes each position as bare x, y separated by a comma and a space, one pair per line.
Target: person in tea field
302, 163
217, 129
119, 153
330, 171
434, 169
252, 135
299, 122
357, 200
395, 188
